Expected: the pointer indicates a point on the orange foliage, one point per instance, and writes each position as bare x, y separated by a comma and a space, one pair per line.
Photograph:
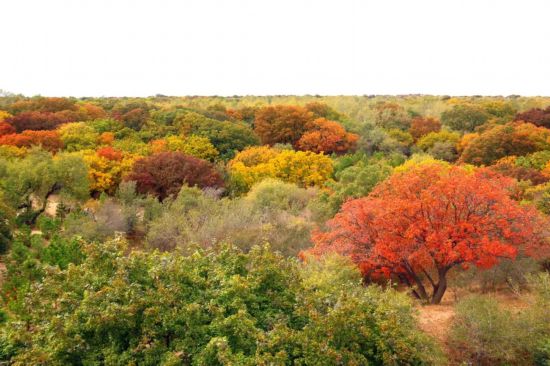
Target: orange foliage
106, 138
427, 220
110, 153
281, 124
326, 136
49, 140
421, 126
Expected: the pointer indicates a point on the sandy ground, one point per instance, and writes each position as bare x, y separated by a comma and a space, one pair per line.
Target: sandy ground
436, 320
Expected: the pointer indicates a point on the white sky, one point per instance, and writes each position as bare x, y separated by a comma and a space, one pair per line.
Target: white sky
227, 47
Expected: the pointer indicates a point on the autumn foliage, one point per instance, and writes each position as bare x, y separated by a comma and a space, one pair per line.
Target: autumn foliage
165, 173
326, 136
536, 116
281, 124
419, 224
49, 140
6, 129
421, 126
504, 140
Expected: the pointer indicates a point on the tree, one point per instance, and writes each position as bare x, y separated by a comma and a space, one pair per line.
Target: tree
48, 140
199, 147
537, 116
6, 129
326, 136
282, 124
38, 120
421, 126
4, 115
303, 168
164, 174
464, 117
508, 167
392, 115
420, 223
227, 137
106, 168
504, 140
28, 183
321, 110
216, 307
78, 136
441, 145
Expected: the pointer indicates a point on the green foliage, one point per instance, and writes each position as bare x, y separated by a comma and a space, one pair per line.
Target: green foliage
227, 137
464, 117
484, 333
30, 181
200, 218
5, 233
353, 181
210, 308
78, 136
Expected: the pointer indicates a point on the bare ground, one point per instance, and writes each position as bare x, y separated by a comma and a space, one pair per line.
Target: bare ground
436, 320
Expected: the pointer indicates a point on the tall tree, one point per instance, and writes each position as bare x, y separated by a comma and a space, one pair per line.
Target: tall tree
419, 224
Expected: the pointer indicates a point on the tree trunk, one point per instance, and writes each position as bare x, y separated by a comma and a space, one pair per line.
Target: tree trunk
441, 287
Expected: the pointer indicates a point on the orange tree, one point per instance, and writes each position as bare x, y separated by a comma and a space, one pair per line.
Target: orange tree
326, 136
420, 223
281, 123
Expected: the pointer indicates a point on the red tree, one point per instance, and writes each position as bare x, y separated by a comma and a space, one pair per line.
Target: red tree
326, 136
164, 174
419, 224
40, 120
6, 129
536, 116
281, 124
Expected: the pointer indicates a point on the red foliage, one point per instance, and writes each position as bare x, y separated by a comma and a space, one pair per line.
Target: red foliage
49, 140
536, 116
134, 118
39, 120
425, 221
281, 124
110, 153
326, 136
421, 126
164, 174
6, 129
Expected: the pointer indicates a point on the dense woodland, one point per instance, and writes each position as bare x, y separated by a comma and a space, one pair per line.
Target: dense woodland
273, 230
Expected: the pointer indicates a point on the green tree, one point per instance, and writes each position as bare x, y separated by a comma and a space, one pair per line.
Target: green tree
464, 117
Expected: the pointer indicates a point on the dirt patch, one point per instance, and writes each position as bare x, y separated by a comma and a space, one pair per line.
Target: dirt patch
436, 320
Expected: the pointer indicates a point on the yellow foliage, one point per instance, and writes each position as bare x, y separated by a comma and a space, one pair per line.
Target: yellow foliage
105, 175
304, 168
4, 115
197, 146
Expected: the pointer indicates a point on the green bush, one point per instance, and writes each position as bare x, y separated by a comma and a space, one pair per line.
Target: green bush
214, 307
484, 334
